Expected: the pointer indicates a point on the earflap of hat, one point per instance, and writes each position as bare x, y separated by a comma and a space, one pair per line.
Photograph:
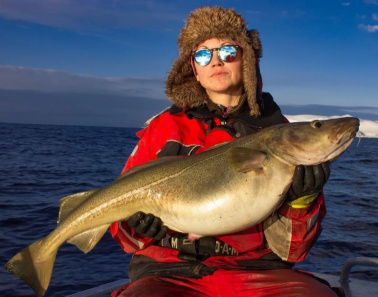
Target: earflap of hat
182, 87
249, 77
252, 76
252, 81
255, 42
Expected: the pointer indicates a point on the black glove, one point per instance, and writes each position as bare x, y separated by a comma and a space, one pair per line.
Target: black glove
308, 180
148, 225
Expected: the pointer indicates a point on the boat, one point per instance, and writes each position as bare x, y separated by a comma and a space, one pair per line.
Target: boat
353, 287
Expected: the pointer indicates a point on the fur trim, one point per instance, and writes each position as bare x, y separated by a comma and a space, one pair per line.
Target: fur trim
204, 23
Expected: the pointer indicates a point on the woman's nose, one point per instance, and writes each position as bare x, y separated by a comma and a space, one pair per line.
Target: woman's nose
215, 60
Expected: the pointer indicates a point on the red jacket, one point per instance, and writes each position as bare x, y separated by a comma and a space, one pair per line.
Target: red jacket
177, 132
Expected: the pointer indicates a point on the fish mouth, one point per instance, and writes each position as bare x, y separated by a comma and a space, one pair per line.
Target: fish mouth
343, 138
344, 131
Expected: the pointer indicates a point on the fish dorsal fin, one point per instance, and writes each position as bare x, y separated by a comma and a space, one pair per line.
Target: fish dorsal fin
70, 203
246, 160
148, 165
88, 239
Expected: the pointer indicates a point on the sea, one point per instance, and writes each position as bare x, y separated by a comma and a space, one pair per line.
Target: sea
40, 164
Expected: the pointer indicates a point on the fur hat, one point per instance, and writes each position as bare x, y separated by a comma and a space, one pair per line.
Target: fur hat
182, 87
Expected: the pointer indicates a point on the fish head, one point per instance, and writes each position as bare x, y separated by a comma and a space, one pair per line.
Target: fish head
312, 143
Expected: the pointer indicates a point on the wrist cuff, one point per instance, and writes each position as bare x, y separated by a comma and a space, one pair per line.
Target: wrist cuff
302, 202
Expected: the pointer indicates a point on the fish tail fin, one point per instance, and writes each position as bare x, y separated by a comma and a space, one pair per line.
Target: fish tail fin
27, 266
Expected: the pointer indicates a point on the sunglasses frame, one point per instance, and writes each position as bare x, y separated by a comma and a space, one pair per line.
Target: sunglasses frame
218, 49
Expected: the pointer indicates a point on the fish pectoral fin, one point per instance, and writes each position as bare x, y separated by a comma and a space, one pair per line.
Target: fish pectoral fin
246, 160
70, 203
87, 240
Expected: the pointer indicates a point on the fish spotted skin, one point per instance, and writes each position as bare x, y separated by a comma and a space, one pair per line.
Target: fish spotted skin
222, 190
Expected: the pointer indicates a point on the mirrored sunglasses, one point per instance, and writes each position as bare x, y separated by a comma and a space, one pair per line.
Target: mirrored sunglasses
226, 53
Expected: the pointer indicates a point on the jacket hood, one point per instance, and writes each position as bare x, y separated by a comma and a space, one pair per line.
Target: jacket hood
182, 87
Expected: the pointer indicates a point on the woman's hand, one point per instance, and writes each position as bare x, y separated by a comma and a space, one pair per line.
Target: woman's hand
308, 180
148, 225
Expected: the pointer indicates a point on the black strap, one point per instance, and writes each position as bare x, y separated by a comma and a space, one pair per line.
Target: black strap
142, 266
194, 250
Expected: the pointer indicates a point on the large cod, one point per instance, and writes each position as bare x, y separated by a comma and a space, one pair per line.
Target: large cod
222, 190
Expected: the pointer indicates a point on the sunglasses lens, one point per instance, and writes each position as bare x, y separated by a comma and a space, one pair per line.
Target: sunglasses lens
202, 57
228, 53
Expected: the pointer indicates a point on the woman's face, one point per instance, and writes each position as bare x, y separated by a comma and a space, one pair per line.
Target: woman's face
220, 77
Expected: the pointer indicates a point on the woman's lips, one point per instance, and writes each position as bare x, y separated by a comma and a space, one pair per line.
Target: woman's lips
219, 73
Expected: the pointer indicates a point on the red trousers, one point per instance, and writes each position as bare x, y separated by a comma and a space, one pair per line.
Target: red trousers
280, 282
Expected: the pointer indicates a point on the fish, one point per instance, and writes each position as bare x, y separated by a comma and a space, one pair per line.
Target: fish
221, 190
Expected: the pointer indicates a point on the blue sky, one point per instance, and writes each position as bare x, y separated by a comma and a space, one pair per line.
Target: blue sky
314, 52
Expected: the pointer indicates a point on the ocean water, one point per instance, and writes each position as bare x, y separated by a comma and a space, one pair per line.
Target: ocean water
41, 164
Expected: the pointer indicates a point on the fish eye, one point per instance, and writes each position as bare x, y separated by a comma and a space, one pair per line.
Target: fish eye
317, 124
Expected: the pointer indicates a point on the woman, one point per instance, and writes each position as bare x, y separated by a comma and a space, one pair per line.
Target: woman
215, 86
